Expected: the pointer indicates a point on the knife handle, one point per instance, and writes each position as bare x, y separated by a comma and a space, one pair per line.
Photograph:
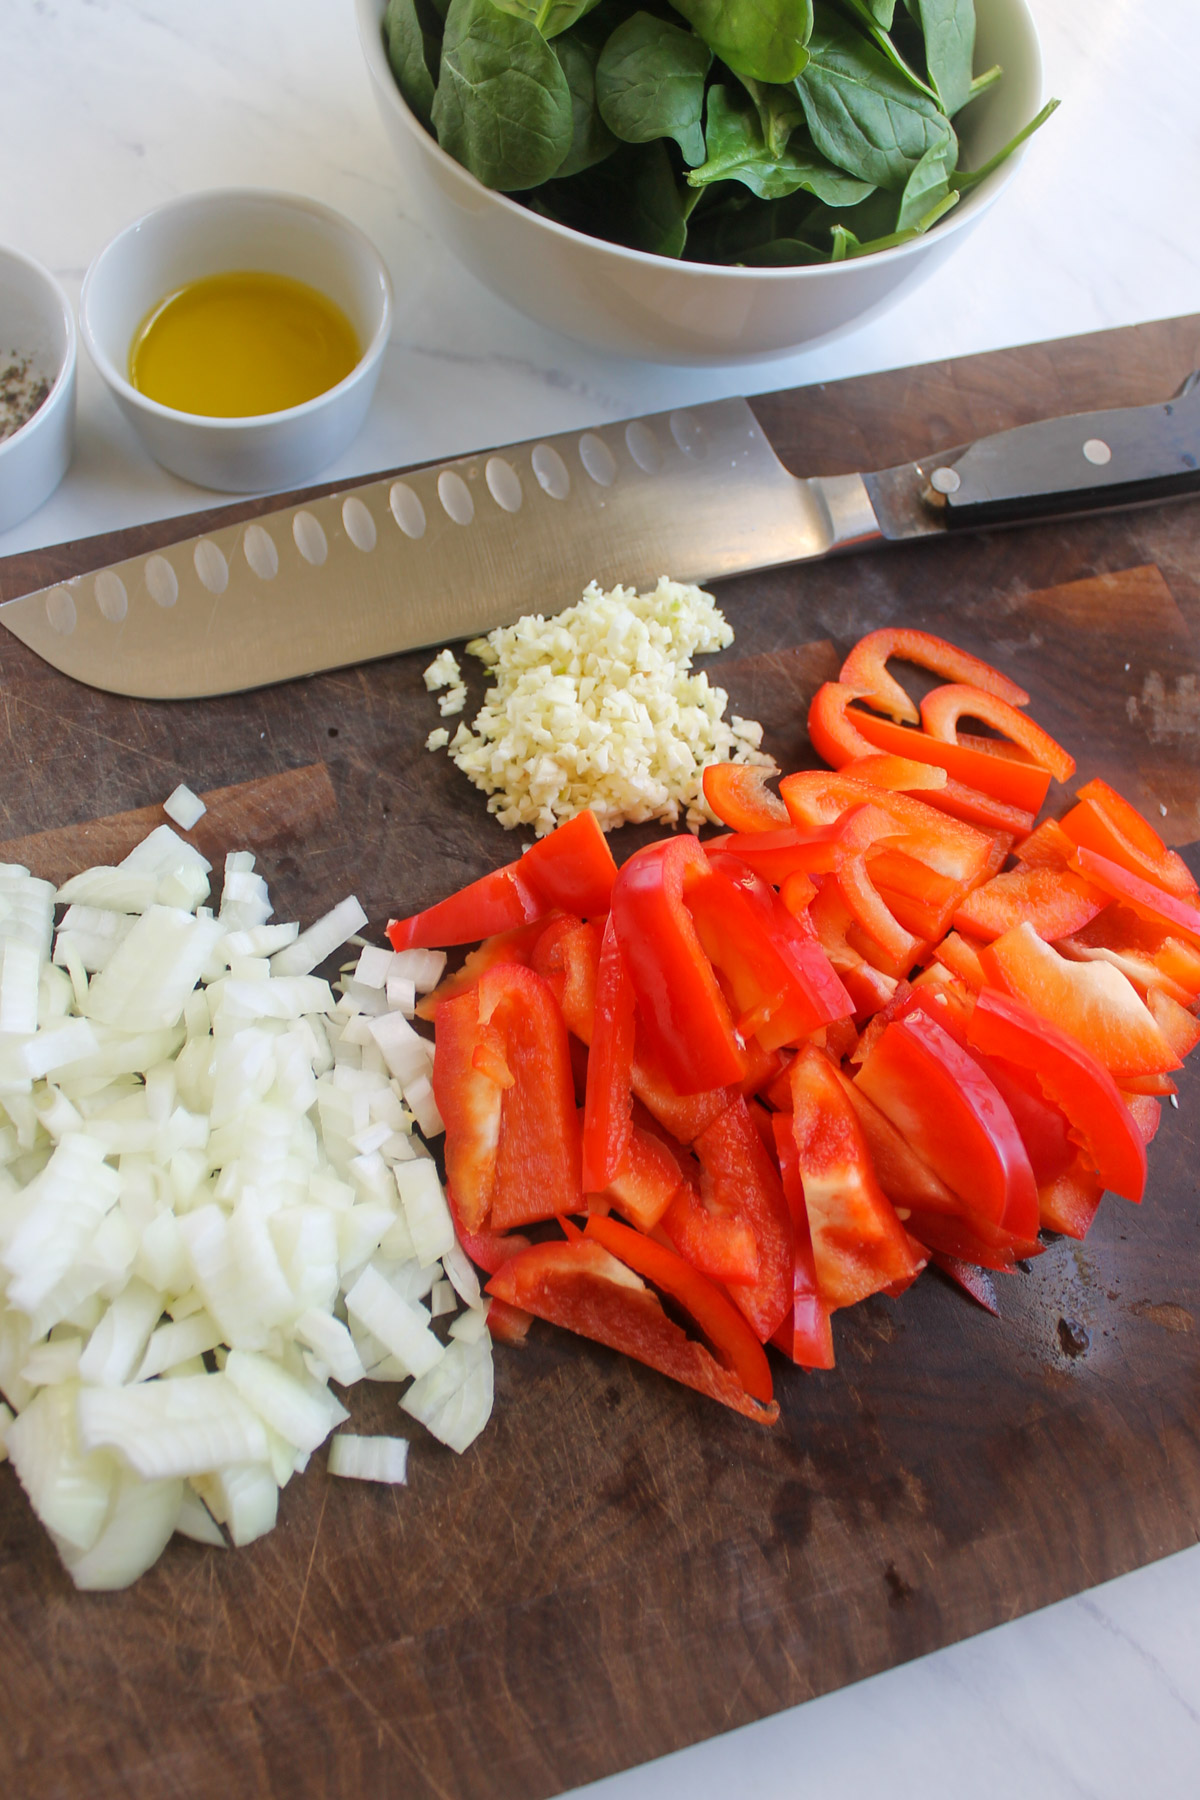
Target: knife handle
1086, 461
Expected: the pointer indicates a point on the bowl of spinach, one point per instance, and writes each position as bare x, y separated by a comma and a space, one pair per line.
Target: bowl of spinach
696, 181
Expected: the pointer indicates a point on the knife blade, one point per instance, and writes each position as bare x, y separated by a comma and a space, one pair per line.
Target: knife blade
454, 549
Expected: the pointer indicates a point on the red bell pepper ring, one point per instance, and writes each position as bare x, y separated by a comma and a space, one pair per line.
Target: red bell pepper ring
841, 736
584, 1288
1148, 901
739, 1178
865, 670
859, 1245
1091, 1001
1074, 1080
571, 870
681, 1009
1056, 902
945, 706
939, 1098
805, 1336
739, 795
732, 1340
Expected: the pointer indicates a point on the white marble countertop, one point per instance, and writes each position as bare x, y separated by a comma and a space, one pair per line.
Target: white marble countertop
111, 106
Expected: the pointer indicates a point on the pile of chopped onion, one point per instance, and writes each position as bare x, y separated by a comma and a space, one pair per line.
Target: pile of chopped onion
214, 1202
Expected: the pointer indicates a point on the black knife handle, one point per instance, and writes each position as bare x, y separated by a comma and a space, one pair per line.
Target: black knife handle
1086, 461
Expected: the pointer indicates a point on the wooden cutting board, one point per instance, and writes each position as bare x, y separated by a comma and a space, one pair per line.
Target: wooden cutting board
619, 1568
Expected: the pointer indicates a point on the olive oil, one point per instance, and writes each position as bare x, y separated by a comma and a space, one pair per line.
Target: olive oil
234, 345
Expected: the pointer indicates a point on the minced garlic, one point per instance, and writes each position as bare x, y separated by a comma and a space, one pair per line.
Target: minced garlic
596, 708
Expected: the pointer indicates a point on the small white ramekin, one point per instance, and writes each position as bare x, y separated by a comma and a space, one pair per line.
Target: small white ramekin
36, 322
211, 234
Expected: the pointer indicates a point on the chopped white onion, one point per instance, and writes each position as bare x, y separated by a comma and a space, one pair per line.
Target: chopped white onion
369, 1458
184, 807
320, 940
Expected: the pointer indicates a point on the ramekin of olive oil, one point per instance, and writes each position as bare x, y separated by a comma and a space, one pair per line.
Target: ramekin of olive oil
241, 344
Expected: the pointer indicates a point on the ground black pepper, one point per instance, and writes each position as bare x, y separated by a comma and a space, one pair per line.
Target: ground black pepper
22, 391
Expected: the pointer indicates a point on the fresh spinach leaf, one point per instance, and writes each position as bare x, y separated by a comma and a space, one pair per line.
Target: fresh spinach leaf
737, 152
862, 115
779, 111
413, 54
963, 179
928, 184
591, 140
762, 38
846, 244
864, 12
650, 84
630, 198
550, 17
948, 27
882, 11
784, 253
502, 107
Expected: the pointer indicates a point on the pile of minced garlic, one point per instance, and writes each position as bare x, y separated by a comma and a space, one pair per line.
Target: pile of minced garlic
597, 709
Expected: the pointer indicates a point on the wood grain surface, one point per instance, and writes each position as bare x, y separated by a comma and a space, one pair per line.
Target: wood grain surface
619, 1568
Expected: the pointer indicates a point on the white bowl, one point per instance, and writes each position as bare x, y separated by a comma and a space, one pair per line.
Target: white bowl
211, 234
36, 324
635, 304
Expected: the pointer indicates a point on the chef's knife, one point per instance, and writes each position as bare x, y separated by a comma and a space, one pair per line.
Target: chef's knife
450, 551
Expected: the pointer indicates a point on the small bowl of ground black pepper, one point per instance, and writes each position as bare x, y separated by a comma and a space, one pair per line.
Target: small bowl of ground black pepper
37, 386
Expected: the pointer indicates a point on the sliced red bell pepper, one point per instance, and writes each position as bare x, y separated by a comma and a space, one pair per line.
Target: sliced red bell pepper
1180, 1027
498, 902
943, 707
573, 867
840, 733
1145, 952
815, 798
1091, 1001
681, 1009
508, 1324
939, 1098
865, 669
488, 1250
805, 1335
719, 1243
735, 1345
1146, 1114
1071, 1200
608, 1105
516, 946
909, 1183
831, 918
922, 900
567, 957
898, 774
974, 1282
584, 1288
739, 795
960, 955
1048, 847
1074, 1080
972, 1240
571, 870
1056, 902
1148, 901
781, 980
685, 1116
740, 1179
537, 1154
469, 1069
859, 1245
1104, 821
647, 1181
